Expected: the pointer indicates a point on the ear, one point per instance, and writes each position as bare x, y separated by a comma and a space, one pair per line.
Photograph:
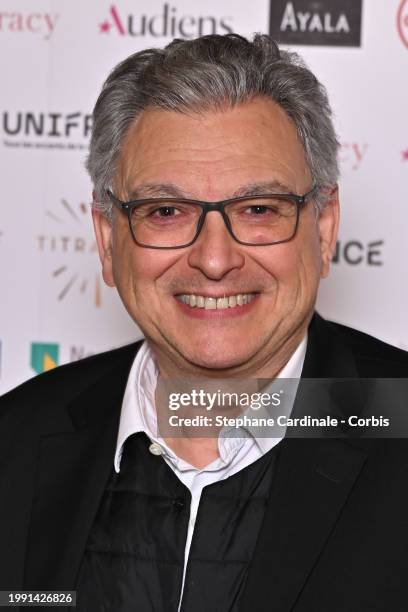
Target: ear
103, 233
328, 228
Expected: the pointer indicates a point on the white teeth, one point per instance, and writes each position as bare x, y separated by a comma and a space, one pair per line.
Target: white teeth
222, 302
212, 303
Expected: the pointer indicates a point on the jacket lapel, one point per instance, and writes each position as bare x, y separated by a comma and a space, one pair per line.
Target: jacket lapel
312, 482
313, 479
72, 470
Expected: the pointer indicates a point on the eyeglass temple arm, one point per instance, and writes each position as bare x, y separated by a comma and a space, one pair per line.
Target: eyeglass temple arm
115, 200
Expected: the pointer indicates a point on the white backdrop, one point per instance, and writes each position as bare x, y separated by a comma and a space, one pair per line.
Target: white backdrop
54, 57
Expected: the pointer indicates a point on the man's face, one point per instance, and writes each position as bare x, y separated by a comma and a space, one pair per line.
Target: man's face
214, 156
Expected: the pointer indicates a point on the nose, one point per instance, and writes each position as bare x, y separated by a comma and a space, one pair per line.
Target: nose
215, 253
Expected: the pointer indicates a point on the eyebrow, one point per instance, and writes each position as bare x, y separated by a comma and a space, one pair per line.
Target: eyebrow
160, 190
156, 190
261, 188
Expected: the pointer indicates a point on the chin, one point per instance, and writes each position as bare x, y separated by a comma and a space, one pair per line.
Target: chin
216, 357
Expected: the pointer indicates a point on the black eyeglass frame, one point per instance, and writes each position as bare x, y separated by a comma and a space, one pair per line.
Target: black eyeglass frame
206, 207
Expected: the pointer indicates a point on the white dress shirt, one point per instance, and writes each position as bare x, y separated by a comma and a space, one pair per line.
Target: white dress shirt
139, 415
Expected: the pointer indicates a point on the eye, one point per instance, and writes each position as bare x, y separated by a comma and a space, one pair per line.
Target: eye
164, 211
270, 208
261, 210
155, 211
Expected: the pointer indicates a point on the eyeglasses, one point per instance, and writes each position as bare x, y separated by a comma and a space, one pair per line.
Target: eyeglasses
175, 223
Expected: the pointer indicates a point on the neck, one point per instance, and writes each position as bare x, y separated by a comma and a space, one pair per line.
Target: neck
198, 452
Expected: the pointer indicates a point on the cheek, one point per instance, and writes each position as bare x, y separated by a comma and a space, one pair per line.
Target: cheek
308, 246
131, 276
297, 264
284, 263
127, 270
140, 273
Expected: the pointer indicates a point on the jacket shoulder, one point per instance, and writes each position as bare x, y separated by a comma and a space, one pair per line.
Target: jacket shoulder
68, 380
373, 356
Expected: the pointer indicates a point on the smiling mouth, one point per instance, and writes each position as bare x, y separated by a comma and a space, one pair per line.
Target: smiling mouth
216, 303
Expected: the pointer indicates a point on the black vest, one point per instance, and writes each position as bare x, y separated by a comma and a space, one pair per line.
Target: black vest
134, 557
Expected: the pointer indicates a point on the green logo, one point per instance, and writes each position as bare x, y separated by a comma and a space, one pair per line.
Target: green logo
44, 357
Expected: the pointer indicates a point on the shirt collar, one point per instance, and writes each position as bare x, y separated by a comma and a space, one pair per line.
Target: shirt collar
135, 415
138, 413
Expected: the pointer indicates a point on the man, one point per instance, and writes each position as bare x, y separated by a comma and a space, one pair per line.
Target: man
216, 214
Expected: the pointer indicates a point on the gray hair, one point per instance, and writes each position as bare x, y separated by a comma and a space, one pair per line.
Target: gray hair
211, 72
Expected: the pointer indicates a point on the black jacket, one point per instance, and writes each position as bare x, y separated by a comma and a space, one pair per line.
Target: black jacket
335, 533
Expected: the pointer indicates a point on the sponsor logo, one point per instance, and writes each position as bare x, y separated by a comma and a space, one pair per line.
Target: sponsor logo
44, 357
46, 130
316, 22
79, 352
42, 24
352, 154
355, 252
47, 356
71, 243
402, 21
167, 23
404, 155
